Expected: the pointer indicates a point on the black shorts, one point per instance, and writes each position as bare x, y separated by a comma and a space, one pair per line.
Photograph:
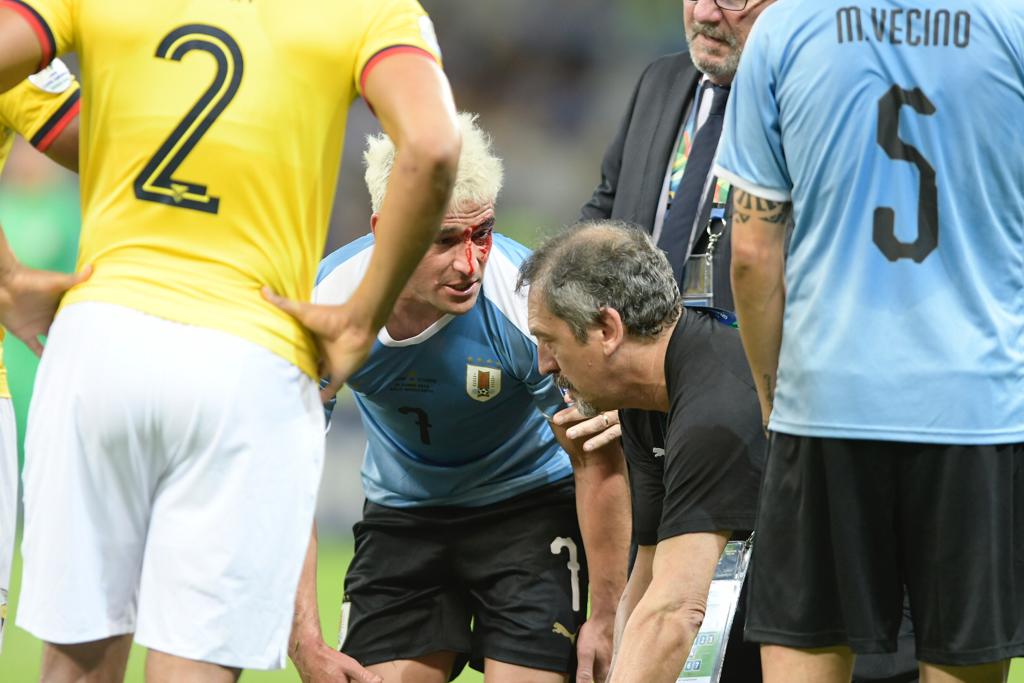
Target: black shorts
515, 569
844, 525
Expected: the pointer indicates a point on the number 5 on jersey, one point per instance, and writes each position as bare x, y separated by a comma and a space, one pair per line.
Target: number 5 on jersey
156, 182
884, 232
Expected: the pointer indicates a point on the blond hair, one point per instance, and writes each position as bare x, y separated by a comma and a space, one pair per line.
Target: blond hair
480, 172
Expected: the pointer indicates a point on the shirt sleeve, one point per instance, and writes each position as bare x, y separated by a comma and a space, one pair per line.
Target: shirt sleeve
341, 272
751, 155
52, 22
395, 27
42, 106
645, 481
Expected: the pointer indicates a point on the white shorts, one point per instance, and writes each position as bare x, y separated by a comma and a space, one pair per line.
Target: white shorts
171, 475
8, 502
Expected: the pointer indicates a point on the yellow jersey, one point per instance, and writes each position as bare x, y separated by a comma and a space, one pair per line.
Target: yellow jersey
38, 109
212, 133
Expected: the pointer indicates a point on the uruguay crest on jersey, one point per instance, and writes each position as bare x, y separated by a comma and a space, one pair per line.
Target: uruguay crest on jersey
482, 383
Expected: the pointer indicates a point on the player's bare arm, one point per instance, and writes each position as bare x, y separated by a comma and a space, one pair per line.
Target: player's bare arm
316, 661
640, 577
20, 53
29, 297
661, 629
758, 268
602, 503
413, 101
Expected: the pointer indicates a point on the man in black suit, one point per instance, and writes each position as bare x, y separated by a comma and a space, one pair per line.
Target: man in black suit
675, 112
656, 174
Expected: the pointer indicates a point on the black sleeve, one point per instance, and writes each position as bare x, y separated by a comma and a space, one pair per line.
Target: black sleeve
600, 205
645, 484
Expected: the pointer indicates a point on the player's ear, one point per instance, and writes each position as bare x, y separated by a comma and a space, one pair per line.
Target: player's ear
373, 222
611, 329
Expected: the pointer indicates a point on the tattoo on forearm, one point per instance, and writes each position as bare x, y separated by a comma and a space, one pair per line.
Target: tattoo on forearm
747, 207
769, 389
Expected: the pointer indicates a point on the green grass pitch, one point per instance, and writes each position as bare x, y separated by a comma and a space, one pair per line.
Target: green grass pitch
19, 662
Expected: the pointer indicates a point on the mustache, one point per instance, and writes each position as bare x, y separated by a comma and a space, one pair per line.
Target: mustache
711, 31
562, 383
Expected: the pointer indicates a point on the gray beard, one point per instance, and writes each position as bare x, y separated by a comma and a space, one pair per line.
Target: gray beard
723, 72
582, 407
586, 409
726, 70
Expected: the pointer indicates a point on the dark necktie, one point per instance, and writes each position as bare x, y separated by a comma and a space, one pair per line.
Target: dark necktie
676, 232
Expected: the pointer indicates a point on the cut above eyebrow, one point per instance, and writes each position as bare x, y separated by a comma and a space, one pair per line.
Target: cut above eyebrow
445, 230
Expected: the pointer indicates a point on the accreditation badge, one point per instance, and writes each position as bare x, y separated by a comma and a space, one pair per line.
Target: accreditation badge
698, 281
699, 276
704, 665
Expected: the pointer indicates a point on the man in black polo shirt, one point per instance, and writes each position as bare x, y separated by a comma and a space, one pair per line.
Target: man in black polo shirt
607, 313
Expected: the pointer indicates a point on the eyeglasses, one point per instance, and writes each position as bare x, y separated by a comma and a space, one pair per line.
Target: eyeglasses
730, 5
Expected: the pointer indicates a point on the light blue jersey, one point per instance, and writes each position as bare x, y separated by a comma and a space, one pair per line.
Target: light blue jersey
456, 414
896, 128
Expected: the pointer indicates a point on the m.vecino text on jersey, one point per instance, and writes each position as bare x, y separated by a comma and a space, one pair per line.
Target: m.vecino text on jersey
911, 27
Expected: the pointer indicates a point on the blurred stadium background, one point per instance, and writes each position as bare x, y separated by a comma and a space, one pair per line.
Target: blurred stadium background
550, 86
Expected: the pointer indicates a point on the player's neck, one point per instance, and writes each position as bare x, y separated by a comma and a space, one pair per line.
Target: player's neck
410, 318
647, 388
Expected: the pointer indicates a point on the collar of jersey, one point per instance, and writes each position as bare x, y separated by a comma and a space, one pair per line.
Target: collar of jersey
384, 338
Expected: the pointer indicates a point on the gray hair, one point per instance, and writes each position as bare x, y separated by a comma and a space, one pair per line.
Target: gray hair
477, 182
604, 264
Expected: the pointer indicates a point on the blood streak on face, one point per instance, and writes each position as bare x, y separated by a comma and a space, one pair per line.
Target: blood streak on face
484, 241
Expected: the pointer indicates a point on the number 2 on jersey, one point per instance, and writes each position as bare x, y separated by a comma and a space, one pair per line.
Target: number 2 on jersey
928, 198
156, 182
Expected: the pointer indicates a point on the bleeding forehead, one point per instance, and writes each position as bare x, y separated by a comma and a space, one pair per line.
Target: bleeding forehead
470, 218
